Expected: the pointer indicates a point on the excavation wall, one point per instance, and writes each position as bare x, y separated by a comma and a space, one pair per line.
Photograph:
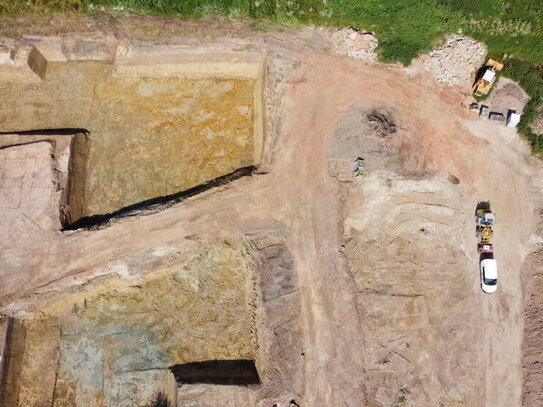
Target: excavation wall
159, 122
114, 342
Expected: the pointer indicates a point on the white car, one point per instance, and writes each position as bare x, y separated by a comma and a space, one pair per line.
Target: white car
489, 273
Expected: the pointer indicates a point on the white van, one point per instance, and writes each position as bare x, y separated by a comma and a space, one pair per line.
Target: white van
489, 273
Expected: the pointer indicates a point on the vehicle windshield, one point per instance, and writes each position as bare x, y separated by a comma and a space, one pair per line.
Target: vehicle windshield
490, 281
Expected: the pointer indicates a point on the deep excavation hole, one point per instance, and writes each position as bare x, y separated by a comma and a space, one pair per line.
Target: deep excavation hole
131, 210
228, 372
160, 123
42, 355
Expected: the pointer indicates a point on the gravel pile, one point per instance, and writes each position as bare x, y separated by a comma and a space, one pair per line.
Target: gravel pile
355, 44
454, 63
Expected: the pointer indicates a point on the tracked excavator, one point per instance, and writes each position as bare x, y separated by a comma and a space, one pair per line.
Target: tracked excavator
485, 219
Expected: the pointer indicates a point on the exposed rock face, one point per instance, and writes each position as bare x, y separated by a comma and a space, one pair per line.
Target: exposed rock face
455, 62
280, 359
157, 124
180, 133
85, 348
28, 190
116, 342
154, 387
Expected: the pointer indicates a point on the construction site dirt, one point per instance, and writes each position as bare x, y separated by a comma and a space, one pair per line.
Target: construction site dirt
340, 290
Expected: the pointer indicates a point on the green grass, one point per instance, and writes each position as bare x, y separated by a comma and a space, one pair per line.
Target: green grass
405, 28
512, 29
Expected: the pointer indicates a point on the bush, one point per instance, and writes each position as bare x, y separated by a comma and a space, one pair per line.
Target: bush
530, 77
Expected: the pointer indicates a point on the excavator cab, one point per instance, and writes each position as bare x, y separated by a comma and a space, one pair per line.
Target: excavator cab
485, 217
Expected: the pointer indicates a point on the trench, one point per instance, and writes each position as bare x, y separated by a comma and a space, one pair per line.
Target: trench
144, 207
156, 204
47, 132
227, 372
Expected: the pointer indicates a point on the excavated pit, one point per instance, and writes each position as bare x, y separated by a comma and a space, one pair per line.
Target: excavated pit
221, 325
116, 340
157, 121
88, 132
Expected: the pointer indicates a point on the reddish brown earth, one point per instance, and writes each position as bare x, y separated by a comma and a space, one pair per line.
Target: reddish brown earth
465, 343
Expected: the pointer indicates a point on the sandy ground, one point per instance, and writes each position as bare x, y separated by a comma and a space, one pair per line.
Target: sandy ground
507, 96
465, 345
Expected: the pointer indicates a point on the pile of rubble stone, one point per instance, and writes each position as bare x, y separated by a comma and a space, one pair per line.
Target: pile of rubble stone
456, 61
355, 44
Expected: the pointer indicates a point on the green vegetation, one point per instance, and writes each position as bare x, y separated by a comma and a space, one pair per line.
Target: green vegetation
512, 29
404, 28
531, 78
400, 401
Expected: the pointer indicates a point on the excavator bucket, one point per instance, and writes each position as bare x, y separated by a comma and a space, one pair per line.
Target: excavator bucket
496, 64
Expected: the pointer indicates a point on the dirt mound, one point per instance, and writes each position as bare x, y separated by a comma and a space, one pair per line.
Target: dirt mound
365, 132
454, 62
355, 44
537, 125
381, 124
507, 96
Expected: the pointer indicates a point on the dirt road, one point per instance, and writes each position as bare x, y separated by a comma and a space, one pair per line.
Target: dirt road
298, 191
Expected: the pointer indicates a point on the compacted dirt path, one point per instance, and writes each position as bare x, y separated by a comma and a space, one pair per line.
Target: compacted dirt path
299, 192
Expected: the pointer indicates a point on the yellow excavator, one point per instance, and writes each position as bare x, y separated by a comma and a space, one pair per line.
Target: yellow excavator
485, 82
485, 219
486, 234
